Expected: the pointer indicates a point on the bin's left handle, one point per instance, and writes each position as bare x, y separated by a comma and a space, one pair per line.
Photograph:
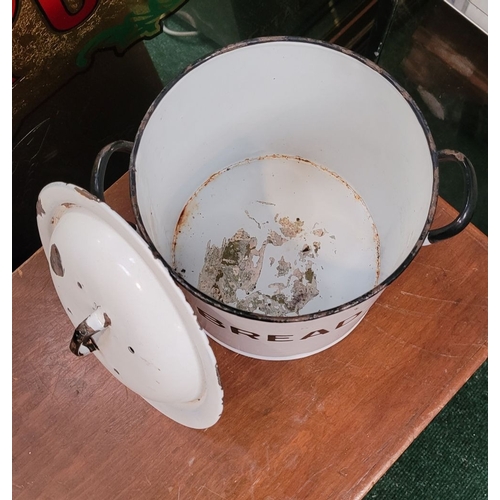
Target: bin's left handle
101, 162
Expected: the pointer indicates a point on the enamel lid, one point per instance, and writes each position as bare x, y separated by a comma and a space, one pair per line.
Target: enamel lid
125, 305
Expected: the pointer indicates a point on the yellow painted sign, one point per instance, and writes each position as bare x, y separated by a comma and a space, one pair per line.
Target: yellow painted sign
52, 40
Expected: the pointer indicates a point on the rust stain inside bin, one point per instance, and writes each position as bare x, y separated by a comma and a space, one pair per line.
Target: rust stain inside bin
283, 249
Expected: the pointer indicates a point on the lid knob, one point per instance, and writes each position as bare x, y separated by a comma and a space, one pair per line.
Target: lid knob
82, 343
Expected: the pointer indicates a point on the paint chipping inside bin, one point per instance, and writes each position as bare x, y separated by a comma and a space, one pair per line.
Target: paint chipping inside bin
231, 273
275, 239
286, 238
289, 228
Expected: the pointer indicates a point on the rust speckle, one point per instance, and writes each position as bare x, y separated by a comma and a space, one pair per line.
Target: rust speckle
55, 261
253, 218
107, 321
39, 209
218, 375
86, 194
449, 154
181, 223
290, 229
303, 160
68, 205
183, 217
373, 66
405, 94
188, 210
376, 239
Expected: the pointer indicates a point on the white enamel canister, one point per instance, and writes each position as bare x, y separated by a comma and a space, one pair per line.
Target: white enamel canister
281, 184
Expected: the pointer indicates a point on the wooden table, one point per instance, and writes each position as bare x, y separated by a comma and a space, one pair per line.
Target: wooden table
327, 426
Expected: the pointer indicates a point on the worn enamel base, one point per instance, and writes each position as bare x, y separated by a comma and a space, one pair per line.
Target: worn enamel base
278, 236
108, 280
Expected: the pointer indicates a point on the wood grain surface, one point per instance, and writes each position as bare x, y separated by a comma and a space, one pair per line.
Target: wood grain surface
327, 426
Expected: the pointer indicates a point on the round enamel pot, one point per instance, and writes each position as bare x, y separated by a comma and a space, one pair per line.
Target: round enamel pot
285, 183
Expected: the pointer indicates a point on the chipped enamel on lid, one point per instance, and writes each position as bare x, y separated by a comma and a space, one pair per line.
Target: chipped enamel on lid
150, 341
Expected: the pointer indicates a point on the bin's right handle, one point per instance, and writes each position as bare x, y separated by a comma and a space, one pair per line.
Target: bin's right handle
465, 216
101, 162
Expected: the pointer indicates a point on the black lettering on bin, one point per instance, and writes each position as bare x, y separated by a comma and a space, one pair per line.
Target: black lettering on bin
215, 321
279, 338
315, 333
239, 331
348, 320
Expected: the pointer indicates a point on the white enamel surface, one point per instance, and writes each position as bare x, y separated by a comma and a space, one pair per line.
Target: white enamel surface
154, 345
260, 196
288, 98
285, 98
278, 341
